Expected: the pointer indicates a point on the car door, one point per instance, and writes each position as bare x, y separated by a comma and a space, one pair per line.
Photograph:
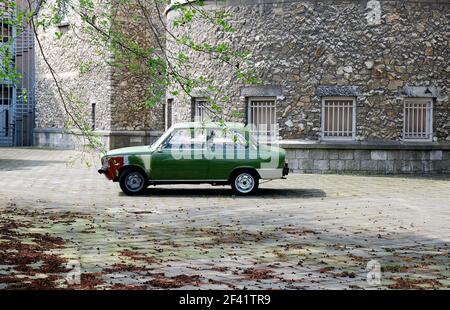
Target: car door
228, 150
181, 157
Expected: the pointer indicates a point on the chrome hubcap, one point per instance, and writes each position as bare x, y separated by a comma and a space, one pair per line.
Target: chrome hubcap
244, 183
134, 182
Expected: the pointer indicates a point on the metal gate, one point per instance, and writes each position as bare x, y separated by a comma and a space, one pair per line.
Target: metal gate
17, 97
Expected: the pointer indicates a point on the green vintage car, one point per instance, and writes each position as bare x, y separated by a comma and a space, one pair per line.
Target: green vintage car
195, 153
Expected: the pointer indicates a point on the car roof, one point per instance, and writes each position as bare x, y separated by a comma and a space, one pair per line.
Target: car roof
231, 125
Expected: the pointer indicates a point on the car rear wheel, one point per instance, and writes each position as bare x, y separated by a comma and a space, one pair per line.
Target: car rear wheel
244, 183
133, 182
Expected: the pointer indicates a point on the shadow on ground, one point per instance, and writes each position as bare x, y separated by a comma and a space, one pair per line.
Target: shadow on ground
284, 193
21, 164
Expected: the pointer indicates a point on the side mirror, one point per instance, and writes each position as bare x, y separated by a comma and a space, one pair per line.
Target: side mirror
159, 149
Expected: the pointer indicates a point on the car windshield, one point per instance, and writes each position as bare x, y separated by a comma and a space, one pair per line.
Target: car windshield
161, 139
185, 136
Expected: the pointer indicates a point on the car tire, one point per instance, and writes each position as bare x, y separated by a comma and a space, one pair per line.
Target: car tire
133, 181
244, 182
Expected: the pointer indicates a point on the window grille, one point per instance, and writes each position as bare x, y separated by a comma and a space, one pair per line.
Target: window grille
262, 118
93, 110
418, 119
168, 113
63, 14
338, 118
200, 110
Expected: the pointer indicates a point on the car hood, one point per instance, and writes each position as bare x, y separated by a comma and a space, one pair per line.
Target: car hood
133, 150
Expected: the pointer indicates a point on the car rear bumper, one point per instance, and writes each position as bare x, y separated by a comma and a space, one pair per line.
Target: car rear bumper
270, 174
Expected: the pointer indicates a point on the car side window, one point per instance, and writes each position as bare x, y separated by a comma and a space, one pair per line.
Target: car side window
185, 138
223, 137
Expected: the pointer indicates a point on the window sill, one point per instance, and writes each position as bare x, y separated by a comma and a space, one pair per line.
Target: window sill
337, 139
417, 140
63, 24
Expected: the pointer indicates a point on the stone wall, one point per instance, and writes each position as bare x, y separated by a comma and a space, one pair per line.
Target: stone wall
131, 88
81, 72
86, 75
60, 139
377, 48
368, 158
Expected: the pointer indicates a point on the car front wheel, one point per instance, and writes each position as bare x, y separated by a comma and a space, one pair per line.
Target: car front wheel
132, 182
244, 183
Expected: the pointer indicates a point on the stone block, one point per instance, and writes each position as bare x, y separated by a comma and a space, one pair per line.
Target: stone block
393, 155
378, 155
427, 167
441, 166
436, 155
405, 166
321, 165
346, 154
302, 154
369, 165
445, 155
386, 166
333, 154
352, 165
425, 155
318, 154
337, 164
416, 166
361, 154
290, 153
293, 164
306, 164
395, 84
398, 164
411, 155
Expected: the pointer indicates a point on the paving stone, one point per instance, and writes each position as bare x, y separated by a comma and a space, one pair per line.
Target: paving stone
308, 231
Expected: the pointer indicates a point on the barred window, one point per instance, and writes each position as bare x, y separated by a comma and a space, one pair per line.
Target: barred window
338, 118
62, 14
168, 113
262, 118
7, 9
5, 94
418, 119
6, 32
200, 110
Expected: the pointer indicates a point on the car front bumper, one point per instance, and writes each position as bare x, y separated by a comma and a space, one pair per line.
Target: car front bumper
106, 169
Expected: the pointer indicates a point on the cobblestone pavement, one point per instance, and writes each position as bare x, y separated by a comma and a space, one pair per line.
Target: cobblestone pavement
309, 231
